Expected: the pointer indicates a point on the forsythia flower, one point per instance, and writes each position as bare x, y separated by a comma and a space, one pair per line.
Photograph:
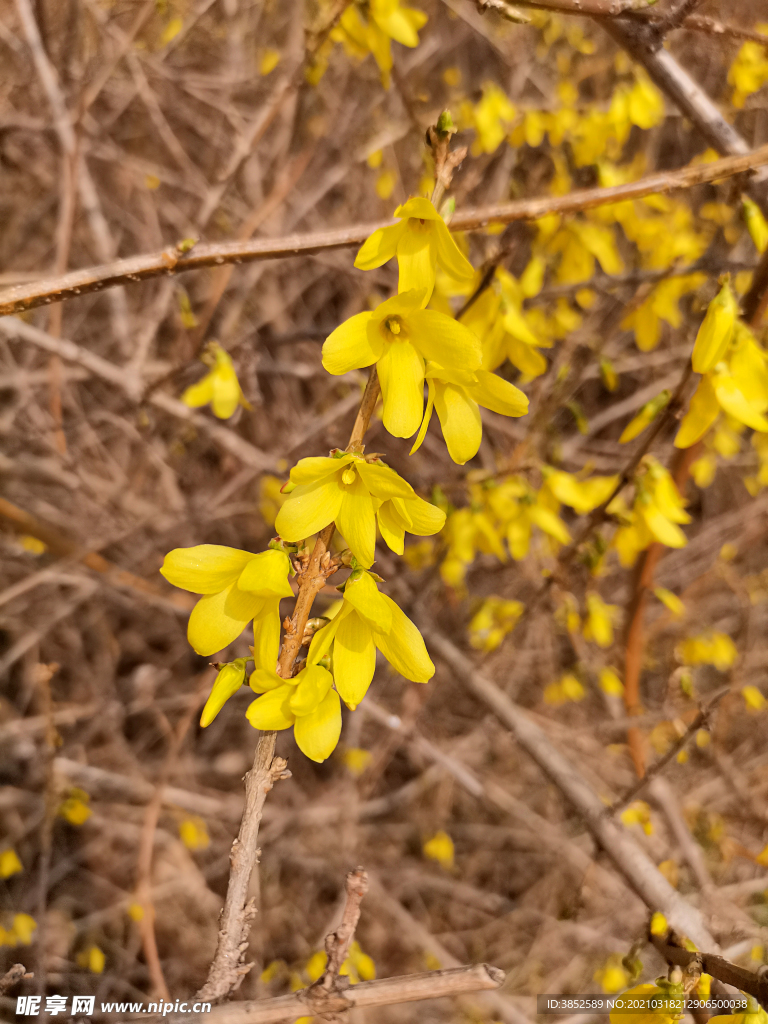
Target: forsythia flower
493, 621
220, 387
645, 417
665, 991
440, 848
9, 863
569, 688
754, 1014
369, 620
228, 681
193, 832
236, 586
92, 959
369, 26
521, 508
737, 384
658, 510
712, 649
421, 242
492, 117
349, 491
307, 702
582, 495
398, 336
457, 396
749, 72
716, 330
599, 624
756, 223
753, 698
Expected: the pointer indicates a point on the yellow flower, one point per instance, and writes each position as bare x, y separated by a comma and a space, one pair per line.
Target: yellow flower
357, 760
228, 681
398, 336
569, 688
75, 808
521, 508
421, 242
610, 683
755, 1014
668, 994
708, 649
307, 702
369, 620
457, 396
371, 25
638, 813
10, 863
350, 491
753, 698
23, 928
749, 72
613, 977
581, 495
645, 417
716, 330
756, 223
270, 58
659, 924
193, 832
92, 959
492, 118
237, 586
358, 965
493, 621
599, 624
219, 388
440, 848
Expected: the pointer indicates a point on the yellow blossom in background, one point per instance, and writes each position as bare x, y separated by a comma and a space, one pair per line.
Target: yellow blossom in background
351, 491
668, 995
670, 601
610, 683
708, 649
659, 924
371, 28
492, 117
492, 622
356, 760
600, 619
613, 977
753, 698
762, 857
440, 848
9, 863
657, 512
75, 808
660, 306
32, 544
358, 966
568, 688
136, 911
421, 242
398, 337
219, 388
269, 60
368, 620
92, 959
755, 1014
193, 832
749, 71
22, 930
645, 417
271, 498
237, 586
581, 495
171, 30
638, 813
670, 870
385, 183
756, 223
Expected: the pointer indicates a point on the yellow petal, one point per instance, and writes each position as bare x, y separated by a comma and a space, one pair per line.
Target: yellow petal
418, 207
351, 346
401, 374
218, 619
354, 659
403, 646
226, 390
318, 733
550, 523
266, 634
460, 419
391, 527
273, 710
702, 413
417, 260
309, 509
229, 680
519, 537
449, 255
317, 468
662, 529
10, 863
205, 568
427, 416
312, 684
444, 340
356, 521
498, 395
380, 247
363, 595
266, 574
716, 330
732, 400
426, 519
200, 393
384, 482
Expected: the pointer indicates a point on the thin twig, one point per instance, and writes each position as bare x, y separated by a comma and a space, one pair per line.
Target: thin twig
13, 976
730, 974
326, 990
170, 261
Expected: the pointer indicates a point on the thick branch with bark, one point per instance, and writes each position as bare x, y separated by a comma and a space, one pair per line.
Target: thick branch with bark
174, 261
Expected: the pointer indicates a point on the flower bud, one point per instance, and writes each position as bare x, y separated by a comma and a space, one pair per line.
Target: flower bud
716, 331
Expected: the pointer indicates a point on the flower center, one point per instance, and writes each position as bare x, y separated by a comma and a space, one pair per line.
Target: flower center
393, 325
348, 476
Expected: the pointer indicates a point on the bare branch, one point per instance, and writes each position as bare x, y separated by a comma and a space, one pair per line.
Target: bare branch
173, 261
12, 976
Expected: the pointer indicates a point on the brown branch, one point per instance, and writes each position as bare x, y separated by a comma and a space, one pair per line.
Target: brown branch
170, 261
730, 974
324, 993
594, 8
628, 858
712, 27
657, 767
228, 968
12, 977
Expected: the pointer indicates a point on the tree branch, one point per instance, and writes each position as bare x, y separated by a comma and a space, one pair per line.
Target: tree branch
27, 296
